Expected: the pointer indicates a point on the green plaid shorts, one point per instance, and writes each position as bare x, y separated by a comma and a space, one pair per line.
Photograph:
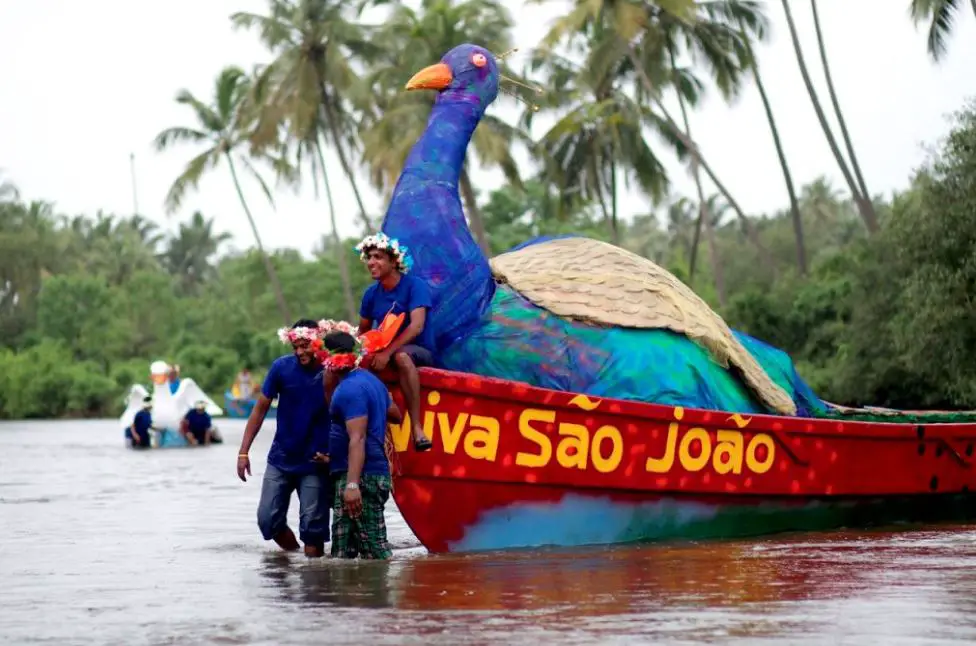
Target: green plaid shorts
364, 536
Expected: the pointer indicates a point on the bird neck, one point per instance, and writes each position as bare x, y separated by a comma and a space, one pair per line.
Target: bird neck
439, 153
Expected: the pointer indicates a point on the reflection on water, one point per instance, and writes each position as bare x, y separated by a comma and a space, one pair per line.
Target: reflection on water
106, 546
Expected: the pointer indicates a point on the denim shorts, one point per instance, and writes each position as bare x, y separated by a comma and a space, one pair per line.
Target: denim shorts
314, 502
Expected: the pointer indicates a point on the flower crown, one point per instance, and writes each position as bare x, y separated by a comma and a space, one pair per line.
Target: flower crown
331, 361
290, 335
336, 361
401, 254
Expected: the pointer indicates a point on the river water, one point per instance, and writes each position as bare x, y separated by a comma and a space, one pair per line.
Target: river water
100, 545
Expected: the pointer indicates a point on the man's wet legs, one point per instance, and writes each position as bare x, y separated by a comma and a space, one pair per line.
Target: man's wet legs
276, 489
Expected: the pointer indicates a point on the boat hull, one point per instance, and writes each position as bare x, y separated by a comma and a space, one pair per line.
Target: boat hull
514, 466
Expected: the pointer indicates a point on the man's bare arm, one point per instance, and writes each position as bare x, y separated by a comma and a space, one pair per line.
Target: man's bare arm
393, 413
254, 422
356, 428
365, 325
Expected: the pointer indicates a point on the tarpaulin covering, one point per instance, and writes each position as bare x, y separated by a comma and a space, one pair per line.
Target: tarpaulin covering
518, 340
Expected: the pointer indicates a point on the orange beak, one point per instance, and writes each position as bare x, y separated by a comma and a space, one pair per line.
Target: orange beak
433, 77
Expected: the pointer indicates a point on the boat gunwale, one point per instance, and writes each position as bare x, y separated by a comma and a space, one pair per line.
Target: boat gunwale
454, 381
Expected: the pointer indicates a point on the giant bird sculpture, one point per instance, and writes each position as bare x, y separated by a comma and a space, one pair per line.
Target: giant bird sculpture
571, 313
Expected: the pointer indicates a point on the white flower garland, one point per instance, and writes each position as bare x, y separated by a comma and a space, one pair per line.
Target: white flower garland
381, 241
290, 335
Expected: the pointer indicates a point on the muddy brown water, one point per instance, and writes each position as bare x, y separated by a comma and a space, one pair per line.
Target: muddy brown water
100, 545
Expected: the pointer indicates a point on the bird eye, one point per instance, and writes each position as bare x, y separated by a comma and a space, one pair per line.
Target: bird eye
479, 60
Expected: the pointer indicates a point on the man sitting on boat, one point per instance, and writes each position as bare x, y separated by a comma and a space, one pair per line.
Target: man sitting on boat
138, 433
397, 292
197, 426
359, 409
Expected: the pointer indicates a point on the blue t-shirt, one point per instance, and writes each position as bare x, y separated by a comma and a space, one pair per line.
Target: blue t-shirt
360, 394
303, 418
142, 423
410, 293
198, 421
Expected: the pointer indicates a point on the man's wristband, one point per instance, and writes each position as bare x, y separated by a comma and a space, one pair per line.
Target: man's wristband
243, 455
352, 485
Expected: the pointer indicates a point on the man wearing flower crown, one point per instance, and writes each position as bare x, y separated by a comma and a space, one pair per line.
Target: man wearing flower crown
297, 460
397, 292
360, 408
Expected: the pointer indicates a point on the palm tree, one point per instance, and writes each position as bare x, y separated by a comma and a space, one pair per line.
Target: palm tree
222, 126
801, 253
646, 23
599, 139
863, 201
189, 253
714, 212
865, 193
414, 40
312, 80
940, 15
300, 141
717, 34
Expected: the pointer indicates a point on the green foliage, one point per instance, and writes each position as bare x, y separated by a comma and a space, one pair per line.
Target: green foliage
80, 324
209, 365
40, 382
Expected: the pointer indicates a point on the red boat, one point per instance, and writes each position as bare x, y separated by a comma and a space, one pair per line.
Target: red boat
514, 466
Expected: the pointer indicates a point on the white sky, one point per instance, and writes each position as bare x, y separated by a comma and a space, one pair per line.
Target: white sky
86, 83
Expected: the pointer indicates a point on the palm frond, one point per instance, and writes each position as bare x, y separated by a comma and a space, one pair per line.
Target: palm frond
190, 178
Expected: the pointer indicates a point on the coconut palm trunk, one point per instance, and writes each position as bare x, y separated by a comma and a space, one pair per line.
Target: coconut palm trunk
474, 213
801, 253
714, 253
865, 193
341, 153
268, 266
863, 204
703, 215
340, 254
693, 150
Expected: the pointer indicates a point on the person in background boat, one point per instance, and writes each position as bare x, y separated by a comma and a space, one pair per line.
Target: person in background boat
396, 291
138, 433
244, 383
297, 460
174, 379
197, 426
360, 408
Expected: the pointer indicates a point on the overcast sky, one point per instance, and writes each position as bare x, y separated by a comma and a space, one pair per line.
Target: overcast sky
87, 83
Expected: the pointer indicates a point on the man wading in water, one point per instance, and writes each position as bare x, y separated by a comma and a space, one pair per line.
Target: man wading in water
297, 460
360, 408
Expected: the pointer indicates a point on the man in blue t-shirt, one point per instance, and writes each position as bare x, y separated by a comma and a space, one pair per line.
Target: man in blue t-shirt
138, 433
197, 425
360, 408
397, 292
298, 458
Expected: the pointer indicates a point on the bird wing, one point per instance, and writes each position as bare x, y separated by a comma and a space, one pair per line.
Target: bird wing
133, 404
189, 393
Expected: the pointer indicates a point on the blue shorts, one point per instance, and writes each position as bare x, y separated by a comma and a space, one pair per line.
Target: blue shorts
420, 355
314, 501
